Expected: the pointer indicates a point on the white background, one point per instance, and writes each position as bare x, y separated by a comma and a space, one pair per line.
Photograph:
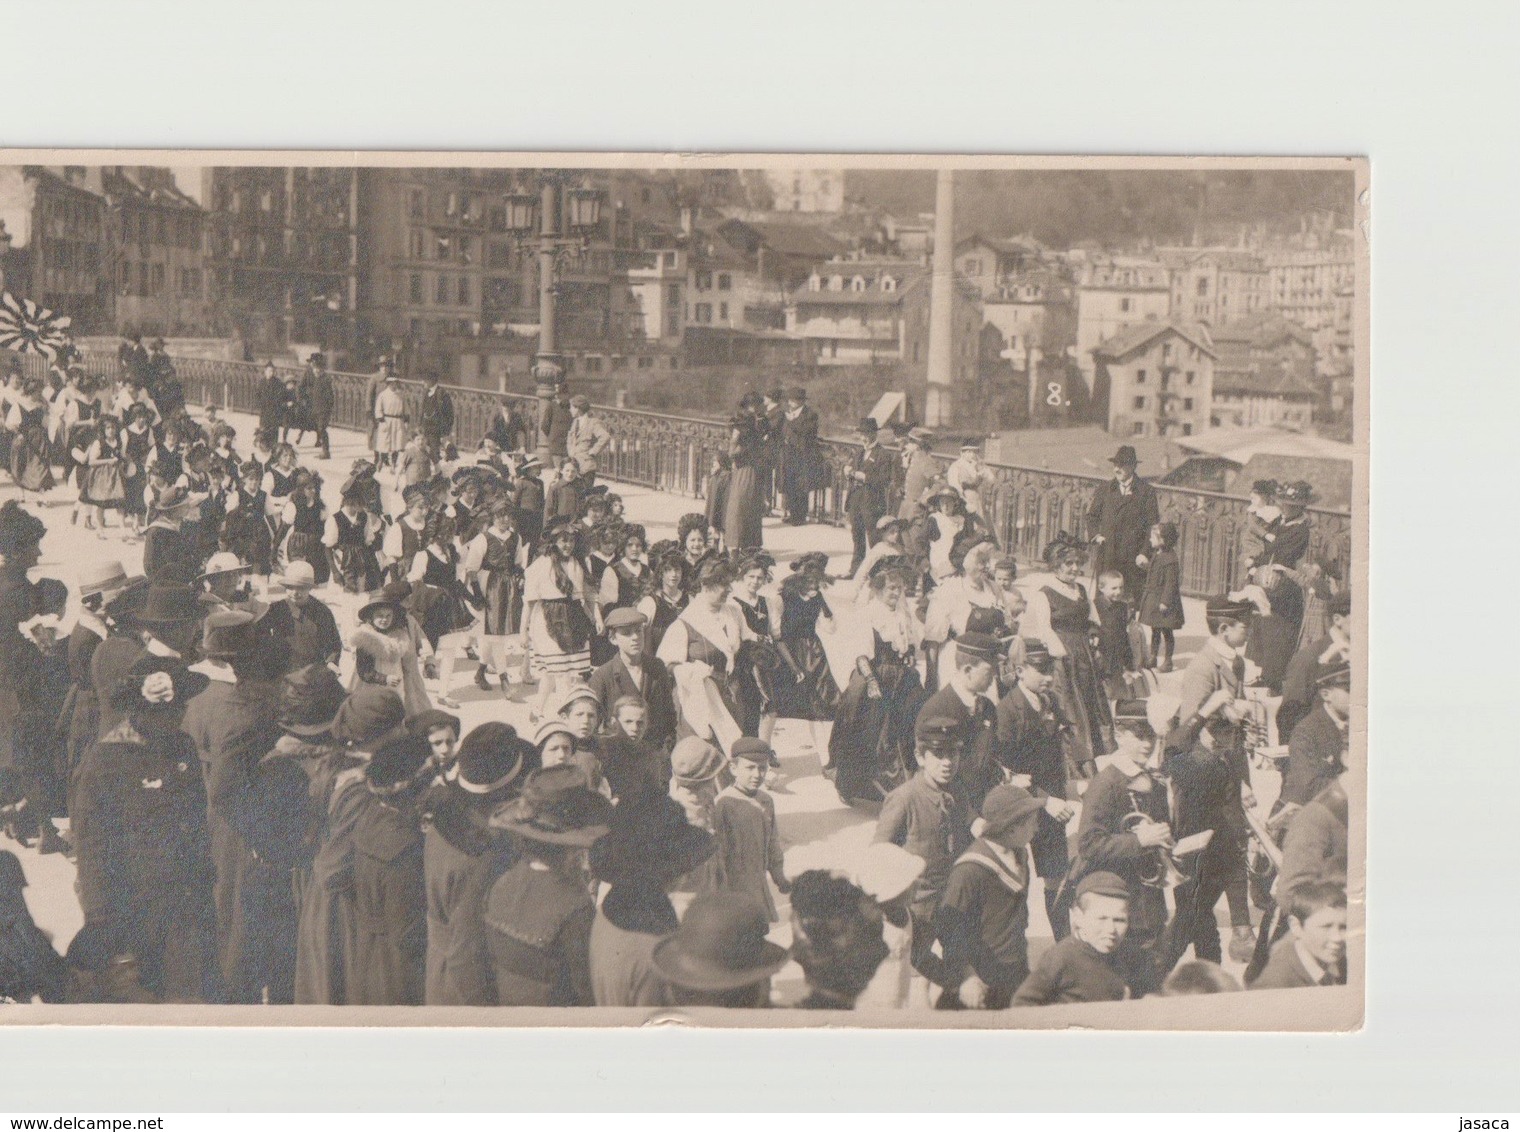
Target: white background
1427, 90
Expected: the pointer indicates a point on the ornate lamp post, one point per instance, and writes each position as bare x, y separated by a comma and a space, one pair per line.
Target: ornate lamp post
566, 217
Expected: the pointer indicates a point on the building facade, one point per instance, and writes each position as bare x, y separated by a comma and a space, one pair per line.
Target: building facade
284, 252
60, 252
1215, 285
1157, 379
988, 264
1114, 293
852, 312
806, 190
157, 235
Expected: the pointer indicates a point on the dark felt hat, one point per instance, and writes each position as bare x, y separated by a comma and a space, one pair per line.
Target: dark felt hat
754, 750
425, 722
309, 700
1299, 491
393, 595
867, 425
491, 757
1103, 884
720, 945
557, 808
797, 393
1125, 457
157, 684
1005, 806
939, 734
168, 603
369, 713
232, 632
397, 764
650, 838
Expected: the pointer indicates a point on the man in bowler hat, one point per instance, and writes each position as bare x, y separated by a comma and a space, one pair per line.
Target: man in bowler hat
866, 500
1120, 519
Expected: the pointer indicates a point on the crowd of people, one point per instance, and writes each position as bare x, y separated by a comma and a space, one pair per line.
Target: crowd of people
268, 803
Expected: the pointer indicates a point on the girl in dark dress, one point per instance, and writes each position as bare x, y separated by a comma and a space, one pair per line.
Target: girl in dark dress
104, 482
138, 445
718, 478
1161, 602
1272, 636
305, 517
248, 522
871, 748
667, 595
31, 465
805, 687
626, 580
746, 498
756, 666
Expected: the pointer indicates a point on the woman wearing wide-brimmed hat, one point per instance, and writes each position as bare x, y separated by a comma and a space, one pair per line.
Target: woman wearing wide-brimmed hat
538, 914
719, 955
141, 840
650, 847
388, 645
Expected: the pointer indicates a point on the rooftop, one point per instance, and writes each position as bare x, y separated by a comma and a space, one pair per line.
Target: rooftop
1262, 378
1083, 450
1133, 338
1242, 445
1262, 330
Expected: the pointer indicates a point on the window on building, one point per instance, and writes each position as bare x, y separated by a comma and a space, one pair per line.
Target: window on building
1139, 377
671, 259
414, 288
417, 204
858, 283
441, 294
1125, 305
675, 362
703, 313
1187, 429
645, 362
1139, 402
1203, 286
593, 363
888, 284
464, 328
464, 290
725, 282
142, 279
1137, 429
973, 267
836, 282
815, 283
1187, 404
673, 298
1189, 377
704, 281
415, 327
722, 312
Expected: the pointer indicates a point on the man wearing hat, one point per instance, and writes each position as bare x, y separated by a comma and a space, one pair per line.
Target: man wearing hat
317, 395
633, 672
719, 955
99, 585
983, 917
384, 366
966, 700
163, 382
587, 438
968, 475
649, 847
929, 817
1030, 729
799, 456
1300, 689
161, 618
1120, 519
772, 419
1082, 967
538, 915
462, 858
865, 500
436, 418
304, 623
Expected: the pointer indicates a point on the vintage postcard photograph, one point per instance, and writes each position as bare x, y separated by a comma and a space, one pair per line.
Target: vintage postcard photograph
747, 590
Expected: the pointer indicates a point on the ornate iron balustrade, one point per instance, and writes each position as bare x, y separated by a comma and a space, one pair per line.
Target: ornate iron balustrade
1027, 507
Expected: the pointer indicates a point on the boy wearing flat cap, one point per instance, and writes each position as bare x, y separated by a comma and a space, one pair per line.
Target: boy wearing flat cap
1317, 750
744, 821
1219, 663
929, 817
1081, 968
983, 917
634, 672
966, 700
1300, 692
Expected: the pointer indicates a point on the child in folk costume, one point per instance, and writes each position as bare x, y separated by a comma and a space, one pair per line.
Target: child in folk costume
562, 615
439, 601
494, 562
983, 916
169, 501
351, 535
304, 517
247, 521
388, 646
700, 648
138, 446
666, 596
280, 480
756, 666
103, 475
744, 822
624, 582
31, 457
1161, 602
416, 463
407, 535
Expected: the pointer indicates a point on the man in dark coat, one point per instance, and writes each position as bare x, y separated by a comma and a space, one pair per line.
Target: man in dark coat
799, 456
1029, 747
163, 383
870, 479
1120, 519
271, 402
372, 389
1316, 752
633, 672
21, 786
1300, 688
255, 903
317, 394
771, 431
554, 428
437, 417
132, 357
304, 624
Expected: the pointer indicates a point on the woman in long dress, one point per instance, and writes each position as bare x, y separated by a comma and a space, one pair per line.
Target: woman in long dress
104, 473
951, 603
871, 748
700, 649
746, 499
805, 687
495, 561
756, 665
31, 458
562, 617
1061, 614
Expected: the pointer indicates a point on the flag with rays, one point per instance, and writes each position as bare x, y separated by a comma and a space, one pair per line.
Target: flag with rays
29, 329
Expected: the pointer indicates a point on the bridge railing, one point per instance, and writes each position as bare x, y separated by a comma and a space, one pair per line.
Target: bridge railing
1027, 507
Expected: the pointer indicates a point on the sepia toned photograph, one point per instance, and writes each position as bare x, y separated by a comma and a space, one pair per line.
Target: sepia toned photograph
758, 590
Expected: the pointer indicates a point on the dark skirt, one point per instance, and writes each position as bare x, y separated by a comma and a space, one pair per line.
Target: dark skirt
871, 746
755, 673
440, 611
813, 696
103, 486
30, 467
301, 547
743, 510
503, 594
358, 569
1081, 696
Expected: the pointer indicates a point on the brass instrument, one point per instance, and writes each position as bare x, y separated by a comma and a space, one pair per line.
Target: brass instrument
1156, 874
